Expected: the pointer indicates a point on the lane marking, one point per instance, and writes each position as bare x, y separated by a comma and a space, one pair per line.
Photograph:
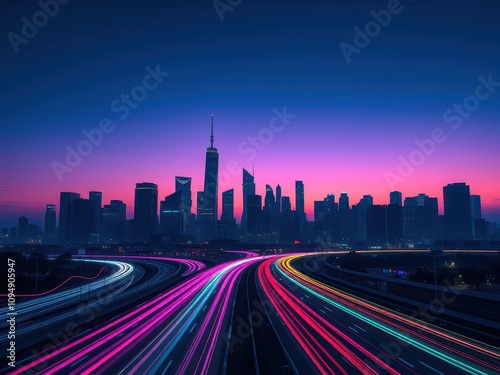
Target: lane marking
191, 330
327, 308
432, 368
402, 360
358, 327
352, 329
324, 312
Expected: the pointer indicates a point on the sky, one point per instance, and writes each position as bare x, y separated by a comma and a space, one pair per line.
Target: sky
363, 96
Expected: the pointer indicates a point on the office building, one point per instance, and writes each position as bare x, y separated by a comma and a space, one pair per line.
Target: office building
457, 211
66, 215
145, 211
50, 220
113, 219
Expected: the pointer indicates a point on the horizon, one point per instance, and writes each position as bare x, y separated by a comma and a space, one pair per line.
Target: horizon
412, 107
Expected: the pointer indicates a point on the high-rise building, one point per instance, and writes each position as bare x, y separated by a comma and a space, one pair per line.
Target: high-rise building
420, 218
184, 184
376, 225
359, 218
50, 220
475, 210
300, 205
228, 205
66, 215
226, 227
81, 232
457, 211
113, 219
23, 229
248, 189
394, 220
208, 223
345, 218
395, 197
171, 217
286, 205
145, 211
96, 198
278, 199
254, 215
269, 213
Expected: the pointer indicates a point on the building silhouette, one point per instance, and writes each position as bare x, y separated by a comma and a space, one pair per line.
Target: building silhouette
82, 225
286, 205
184, 184
50, 220
457, 211
300, 205
420, 218
66, 215
254, 215
345, 219
359, 218
23, 229
475, 210
207, 213
113, 219
96, 198
171, 216
226, 227
395, 197
248, 185
145, 211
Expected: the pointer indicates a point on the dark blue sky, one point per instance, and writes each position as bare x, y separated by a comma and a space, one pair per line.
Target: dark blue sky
353, 119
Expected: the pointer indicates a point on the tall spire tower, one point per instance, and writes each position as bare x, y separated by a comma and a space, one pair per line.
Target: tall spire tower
208, 200
212, 133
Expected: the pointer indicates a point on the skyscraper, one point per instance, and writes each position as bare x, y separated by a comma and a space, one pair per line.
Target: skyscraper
299, 204
83, 226
171, 217
184, 184
278, 198
254, 214
50, 220
396, 197
475, 210
96, 198
210, 191
359, 218
345, 218
286, 205
145, 211
269, 217
248, 189
457, 211
66, 215
226, 227
228, 205
420, 218
113, 220
23, 229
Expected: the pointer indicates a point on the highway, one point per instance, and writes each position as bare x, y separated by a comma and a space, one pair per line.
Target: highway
179, 331
325, 331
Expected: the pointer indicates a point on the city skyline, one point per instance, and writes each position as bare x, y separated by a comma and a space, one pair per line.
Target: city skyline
334, 123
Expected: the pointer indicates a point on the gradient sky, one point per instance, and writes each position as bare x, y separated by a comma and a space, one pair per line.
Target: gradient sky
353, 120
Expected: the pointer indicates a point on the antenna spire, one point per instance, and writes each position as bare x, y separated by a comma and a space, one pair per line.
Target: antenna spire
212, 133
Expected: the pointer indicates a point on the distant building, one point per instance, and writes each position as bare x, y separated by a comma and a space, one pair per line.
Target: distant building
289, 227
145, 211
50, 220
376, 227
475, 210
457, 211
184, 184
394, 222
171, 216
226, 227
345, 219
66, 215
254, 215
286, 205
395, 197
113, 219
420, 219
96, 198
359, 218
83, 226
208, 214
248, 189
23, 229
300, 205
